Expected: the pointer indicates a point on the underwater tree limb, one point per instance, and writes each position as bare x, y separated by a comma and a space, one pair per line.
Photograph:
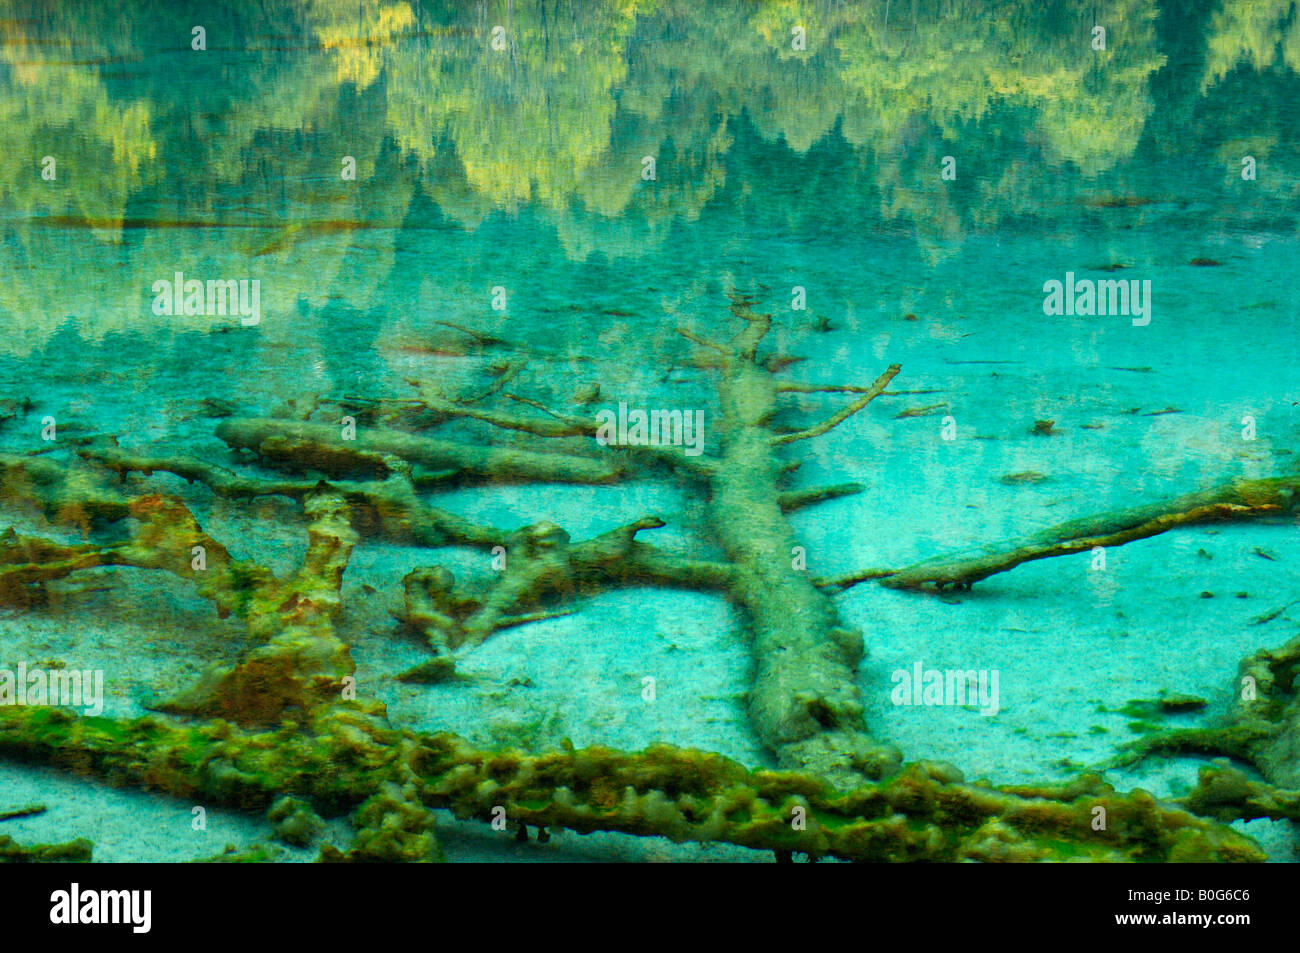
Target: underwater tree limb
79, 496
164, 537
321, 447
28, 562
553, 426
1262, 729
915, 816
849, 580
846, 412
75, 851
298, 663
794, 387
746, 341
792, 501
701, 341
804, 701
1227, 794
390, 507
557, 425
30, 810
301, 663
1239, 499
347, 759
542, 563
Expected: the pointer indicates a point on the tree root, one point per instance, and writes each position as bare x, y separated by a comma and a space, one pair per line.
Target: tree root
1262, 729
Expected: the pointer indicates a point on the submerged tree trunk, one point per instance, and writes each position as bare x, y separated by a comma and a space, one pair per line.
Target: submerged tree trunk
804, 702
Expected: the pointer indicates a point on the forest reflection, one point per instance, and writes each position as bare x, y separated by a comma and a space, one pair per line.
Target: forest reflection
559, 108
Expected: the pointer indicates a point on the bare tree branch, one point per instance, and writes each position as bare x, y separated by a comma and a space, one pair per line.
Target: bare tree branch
868, 396
1240, 499
793, 500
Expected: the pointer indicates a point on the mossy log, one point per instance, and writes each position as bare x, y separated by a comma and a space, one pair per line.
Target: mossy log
347, 759
74, 851
804, 701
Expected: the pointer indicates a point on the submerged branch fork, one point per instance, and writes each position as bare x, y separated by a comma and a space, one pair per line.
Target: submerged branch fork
544, 564
846, 412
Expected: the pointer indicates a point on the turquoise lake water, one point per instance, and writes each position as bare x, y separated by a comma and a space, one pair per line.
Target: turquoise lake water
432, 208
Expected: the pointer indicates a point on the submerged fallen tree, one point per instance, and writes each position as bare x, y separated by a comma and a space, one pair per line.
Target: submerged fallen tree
345, 758
286, 718
804, 701
340, 755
